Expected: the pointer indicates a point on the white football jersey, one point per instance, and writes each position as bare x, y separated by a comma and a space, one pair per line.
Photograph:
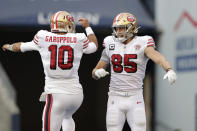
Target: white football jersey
61, 55
128, 62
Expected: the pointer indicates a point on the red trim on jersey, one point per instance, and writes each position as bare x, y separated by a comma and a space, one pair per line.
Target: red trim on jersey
151, 45
151, 42
36, 37
36, 42
86, 44
86, 41
85, 47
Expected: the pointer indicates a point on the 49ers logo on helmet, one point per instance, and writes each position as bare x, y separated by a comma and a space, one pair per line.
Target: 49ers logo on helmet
131, 18
70, 18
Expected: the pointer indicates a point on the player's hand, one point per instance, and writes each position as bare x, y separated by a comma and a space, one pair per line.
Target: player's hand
84, 22
171, 75
99, 73
5, 47
43, 96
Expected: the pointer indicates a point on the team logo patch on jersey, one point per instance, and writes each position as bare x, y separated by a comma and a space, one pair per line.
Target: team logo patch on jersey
111, 46
137, 47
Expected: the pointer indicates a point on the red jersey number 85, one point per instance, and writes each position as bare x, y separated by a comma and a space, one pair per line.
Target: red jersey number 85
128, 65
61, 51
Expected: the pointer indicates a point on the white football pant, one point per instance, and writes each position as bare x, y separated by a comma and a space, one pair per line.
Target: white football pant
58, 111
121, 108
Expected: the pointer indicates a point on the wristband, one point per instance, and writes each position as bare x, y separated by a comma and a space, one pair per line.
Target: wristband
89, 31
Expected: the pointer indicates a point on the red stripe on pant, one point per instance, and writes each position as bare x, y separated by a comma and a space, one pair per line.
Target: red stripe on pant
47, 117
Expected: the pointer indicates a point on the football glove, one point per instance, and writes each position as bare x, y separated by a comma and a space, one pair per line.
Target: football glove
99, 73
43, 97
171, 75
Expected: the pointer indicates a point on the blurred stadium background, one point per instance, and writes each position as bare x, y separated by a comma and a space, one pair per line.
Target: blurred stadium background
173, 24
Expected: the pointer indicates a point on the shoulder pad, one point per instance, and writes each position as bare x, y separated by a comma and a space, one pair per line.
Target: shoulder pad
148, 40
107, 40
41, 33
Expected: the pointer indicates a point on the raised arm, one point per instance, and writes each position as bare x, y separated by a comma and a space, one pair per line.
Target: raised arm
21, 47
90, 34
159, 59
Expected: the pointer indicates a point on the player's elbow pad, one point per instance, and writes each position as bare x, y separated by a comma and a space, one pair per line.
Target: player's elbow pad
91, 48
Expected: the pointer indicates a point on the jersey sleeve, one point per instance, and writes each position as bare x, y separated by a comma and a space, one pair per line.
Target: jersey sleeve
88, 47
84, 41
105, 57
105, 53
34, 44
38, 37
28, 46
149, 41
106, 41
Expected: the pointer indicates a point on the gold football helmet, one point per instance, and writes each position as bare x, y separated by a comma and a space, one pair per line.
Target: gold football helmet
62, 21
127, 21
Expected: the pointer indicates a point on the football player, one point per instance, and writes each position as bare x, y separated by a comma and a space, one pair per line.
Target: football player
128, 55
61, 50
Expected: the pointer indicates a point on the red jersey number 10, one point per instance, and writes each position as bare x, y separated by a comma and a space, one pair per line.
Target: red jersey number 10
61, 52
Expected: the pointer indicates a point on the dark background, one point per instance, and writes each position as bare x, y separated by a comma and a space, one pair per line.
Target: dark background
25, 71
